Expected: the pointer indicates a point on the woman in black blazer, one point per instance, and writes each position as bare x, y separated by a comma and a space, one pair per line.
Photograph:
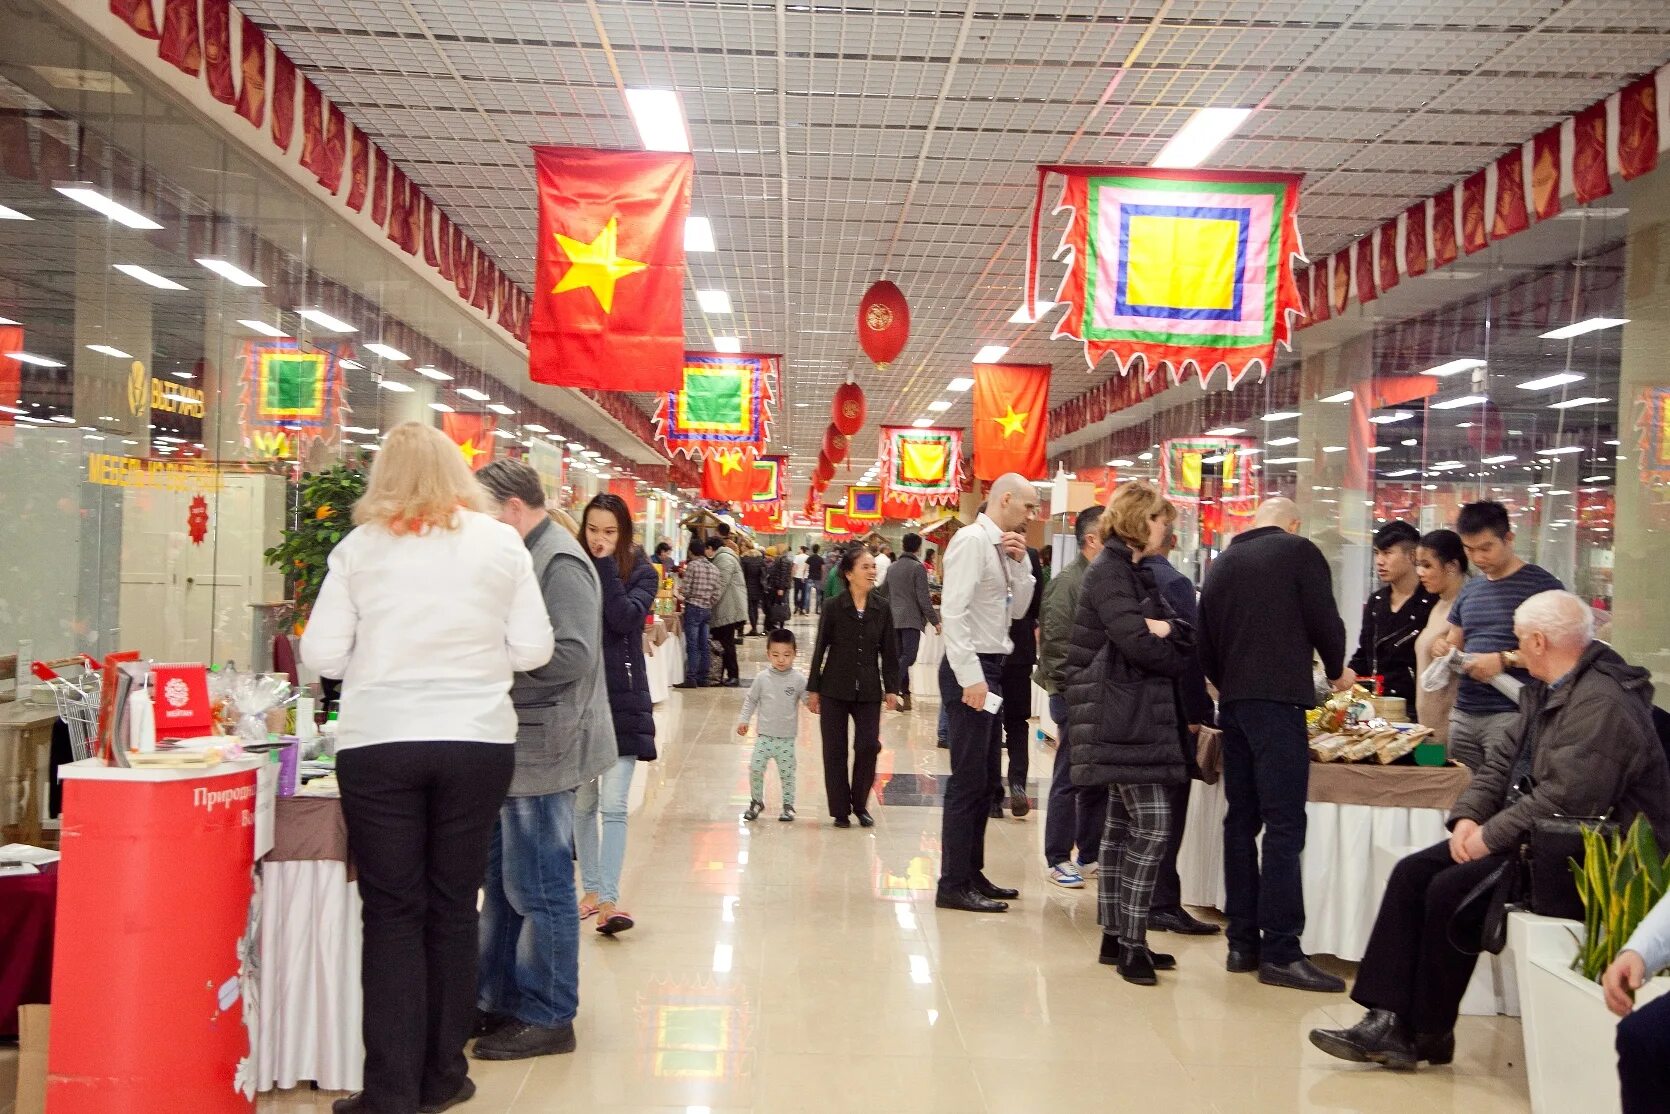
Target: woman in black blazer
855, 668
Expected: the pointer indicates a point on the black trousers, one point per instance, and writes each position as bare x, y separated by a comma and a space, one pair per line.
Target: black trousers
1017, 734
727, 635
1411, 966
1266, 775
756, 599
973, 736
420, 820
910, 645
1076, 814
849, 795
1168, 888
1644, 1058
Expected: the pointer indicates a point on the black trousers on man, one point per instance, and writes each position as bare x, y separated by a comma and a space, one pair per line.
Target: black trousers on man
1412, 965
420, 820
756, 601
1644, 1058
1168, 887
848, 796
1266, 758
973, 735
727, 636
910, 645
1016, 736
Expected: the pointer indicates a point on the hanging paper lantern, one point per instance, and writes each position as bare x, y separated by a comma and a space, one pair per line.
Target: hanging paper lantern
835, 444
824, 472
883, 323
848, 412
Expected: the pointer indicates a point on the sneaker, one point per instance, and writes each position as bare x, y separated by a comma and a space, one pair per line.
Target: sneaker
1089, 869
522, 1041
754, 810
788, 815
1066, 876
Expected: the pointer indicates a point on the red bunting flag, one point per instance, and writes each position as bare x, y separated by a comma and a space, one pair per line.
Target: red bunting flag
1321, 301
336, 149
399, 198
1387, 255
284, 100
1590, 180
609, 282
443, 247
1638, 128
137, 14
430, 255
1414, 240
1342, 281
313, 128
182, 42
1444, 250
1545, 173
1511, 216
1366, 290
1011, 419
360, 176
217, 50
728, 475
252, 98
1473, 236
380, 188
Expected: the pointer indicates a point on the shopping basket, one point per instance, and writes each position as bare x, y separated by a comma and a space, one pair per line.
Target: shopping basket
76, 685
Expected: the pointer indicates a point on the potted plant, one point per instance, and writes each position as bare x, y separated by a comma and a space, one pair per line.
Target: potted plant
1568, 1030
324, 505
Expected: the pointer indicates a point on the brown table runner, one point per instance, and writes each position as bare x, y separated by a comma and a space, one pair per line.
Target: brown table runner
306, 828
1343, 783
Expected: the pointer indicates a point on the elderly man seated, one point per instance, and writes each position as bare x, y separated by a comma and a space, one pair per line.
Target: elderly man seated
1584, 746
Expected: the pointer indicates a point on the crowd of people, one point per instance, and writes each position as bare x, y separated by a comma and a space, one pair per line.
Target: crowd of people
495, 706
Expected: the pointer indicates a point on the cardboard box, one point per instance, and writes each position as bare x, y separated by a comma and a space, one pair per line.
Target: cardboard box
33, 1023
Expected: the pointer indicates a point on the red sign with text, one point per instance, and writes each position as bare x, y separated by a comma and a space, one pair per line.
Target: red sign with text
180, 695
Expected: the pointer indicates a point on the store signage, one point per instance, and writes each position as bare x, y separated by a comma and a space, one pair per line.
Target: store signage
163, 475
176, 398
180, 697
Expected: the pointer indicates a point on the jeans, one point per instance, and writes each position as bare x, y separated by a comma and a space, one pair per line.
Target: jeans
1473, 737
1643, 1044
420, 819
849, 795
698, 655
910, 644
802, 595
817, 596
1076, 814
1266, 759
944, 724
600, 864
968, 803
530, 921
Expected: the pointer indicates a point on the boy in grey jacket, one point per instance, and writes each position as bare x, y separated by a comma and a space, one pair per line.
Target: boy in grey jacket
776, 695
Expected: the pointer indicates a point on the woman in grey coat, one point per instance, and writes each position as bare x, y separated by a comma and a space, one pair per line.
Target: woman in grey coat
731, 612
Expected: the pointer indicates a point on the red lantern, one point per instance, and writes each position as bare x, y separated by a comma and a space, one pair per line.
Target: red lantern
824, 472
883, 323
835, 444
848, 411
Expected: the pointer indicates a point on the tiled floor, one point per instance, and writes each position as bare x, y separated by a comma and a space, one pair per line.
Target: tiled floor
781, 968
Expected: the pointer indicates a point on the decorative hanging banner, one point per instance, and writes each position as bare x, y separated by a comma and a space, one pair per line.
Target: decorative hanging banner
728, 475
922, 465
1185, 269
1652, 423
835, 521
1473, 238
894, 507
1366, 290
847, 410
770, 480
1590, 179
1638, 128
473, 434
1414, 239
252, 94
1183, 464
1444, 245
1545, 173
724, 401
292, 396
1511, 215
1011, 419
883, 323
863, 504
1387, 255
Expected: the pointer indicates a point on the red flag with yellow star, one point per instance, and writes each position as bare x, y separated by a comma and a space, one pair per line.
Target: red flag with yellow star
609, 287
728, 475
1011, 412
473, 434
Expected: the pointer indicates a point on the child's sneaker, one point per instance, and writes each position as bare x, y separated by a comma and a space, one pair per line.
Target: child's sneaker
754, 810
788, 815
1066, 876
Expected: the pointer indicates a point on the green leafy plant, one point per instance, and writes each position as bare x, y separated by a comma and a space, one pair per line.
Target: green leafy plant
322, 516
1619, 880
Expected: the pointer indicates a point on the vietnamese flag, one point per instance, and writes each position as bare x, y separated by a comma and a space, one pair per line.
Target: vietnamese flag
1444, 249
1473, 236
217, 50
473, 434
1414, 239
1011, 419
138, 14
1511, 215
1545, 173
1638, 128
182, 42
284, 100
609, 285
727, 474
1590, 179
252, 97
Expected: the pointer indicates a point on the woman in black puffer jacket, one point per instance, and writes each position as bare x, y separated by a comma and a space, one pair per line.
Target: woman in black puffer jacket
1125, 730
629, 587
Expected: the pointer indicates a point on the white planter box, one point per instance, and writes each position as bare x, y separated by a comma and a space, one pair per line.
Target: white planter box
1569, 1056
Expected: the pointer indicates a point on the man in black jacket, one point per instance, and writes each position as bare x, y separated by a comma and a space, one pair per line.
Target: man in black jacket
1266, 610
1017, 705
1394, 616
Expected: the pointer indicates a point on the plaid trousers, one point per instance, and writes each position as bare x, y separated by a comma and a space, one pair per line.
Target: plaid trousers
1133, 843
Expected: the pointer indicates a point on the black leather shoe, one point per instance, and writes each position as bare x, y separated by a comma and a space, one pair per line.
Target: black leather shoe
984, 888
486, 1024
1241, 961
1301, 974
996, 811
353, 1104
1019, 805
1379, 1038
865, 820
1110, 955
1182, 923
968, 901
465, 1094
1436, 1049
522, 1041
1137, 966
843, 821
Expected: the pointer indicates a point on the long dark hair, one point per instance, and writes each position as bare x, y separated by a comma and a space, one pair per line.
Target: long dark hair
1446, 546
626, 555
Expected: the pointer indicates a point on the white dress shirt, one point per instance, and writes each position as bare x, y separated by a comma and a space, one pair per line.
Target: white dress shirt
978, 579
426, 630
882, 563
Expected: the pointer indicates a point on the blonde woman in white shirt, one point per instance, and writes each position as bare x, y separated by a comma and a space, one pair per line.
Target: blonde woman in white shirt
427, 611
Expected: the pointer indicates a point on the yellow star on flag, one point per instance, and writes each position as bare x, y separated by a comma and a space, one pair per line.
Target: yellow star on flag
1012, 422
730, 462
470, 452
596, 266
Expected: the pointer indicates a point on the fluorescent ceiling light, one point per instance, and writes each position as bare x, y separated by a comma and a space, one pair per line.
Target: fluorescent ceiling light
396, 386
230, 273
1458, 403
730, 345
1379, 449
1278, 442
1447, 466
1287, 460
1280, 415
959, 384
939, 406
505, 433
1563, 450
922, 423
262, 327
660, 119
990, 354
1200, 136
1558, 379
1586, 400
441, 408
31, 358
63, 419
325, 321
1401, 472
387, 352
1454, 367
535, 427
1225, 431
498, 408
713, 301
1504, 458
9, 321
474, 395
1120, 463
576, 447
111, 208
1578, 328
1333, 448
698, 234
1342, 396
1598, 212
1020, 318
1597, 480
106, 350
354, 364
8, 213
435, 373
148, 277
1389, 419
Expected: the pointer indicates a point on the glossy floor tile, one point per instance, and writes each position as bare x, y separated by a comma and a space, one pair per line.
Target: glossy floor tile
798, 968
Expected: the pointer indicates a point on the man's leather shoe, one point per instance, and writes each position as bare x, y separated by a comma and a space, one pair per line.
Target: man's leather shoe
465, 1094
968, 901
1301, 974
1379, 1038
522, 1041
904, 703
1019, 803
1110, 955
996, 811
843, 822
865, 820
1436, 1049
984, 888
1136, 965
1180, 922
1241, 961
486, 1024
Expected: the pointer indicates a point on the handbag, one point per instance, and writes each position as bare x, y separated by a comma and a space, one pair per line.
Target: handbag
1537, 879
1209, 756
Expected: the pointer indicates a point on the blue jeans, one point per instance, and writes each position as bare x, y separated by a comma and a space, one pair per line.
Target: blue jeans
530, 921
910, 645
600, 862
1076, 813
1266, 776
698, 652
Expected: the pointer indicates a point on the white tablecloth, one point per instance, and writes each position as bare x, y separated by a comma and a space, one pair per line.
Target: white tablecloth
924, 675
665, 666
310, 978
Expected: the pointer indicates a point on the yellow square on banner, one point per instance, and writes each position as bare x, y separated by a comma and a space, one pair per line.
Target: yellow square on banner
1191, 471
1182, 262
924, 462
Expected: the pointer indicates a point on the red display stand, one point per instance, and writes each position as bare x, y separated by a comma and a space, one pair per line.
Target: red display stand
155, 942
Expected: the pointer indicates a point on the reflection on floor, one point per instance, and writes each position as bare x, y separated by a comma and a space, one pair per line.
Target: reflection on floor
797, 968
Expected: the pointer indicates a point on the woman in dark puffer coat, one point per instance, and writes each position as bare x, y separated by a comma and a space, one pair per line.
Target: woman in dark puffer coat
629, 587
1126, 732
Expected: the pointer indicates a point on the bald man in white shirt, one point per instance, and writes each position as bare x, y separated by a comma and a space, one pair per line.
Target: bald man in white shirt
988, 585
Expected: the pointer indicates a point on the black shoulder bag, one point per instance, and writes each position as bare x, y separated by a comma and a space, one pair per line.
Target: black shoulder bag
1538, 879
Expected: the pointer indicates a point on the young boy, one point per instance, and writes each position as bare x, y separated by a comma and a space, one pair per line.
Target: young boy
776, 694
